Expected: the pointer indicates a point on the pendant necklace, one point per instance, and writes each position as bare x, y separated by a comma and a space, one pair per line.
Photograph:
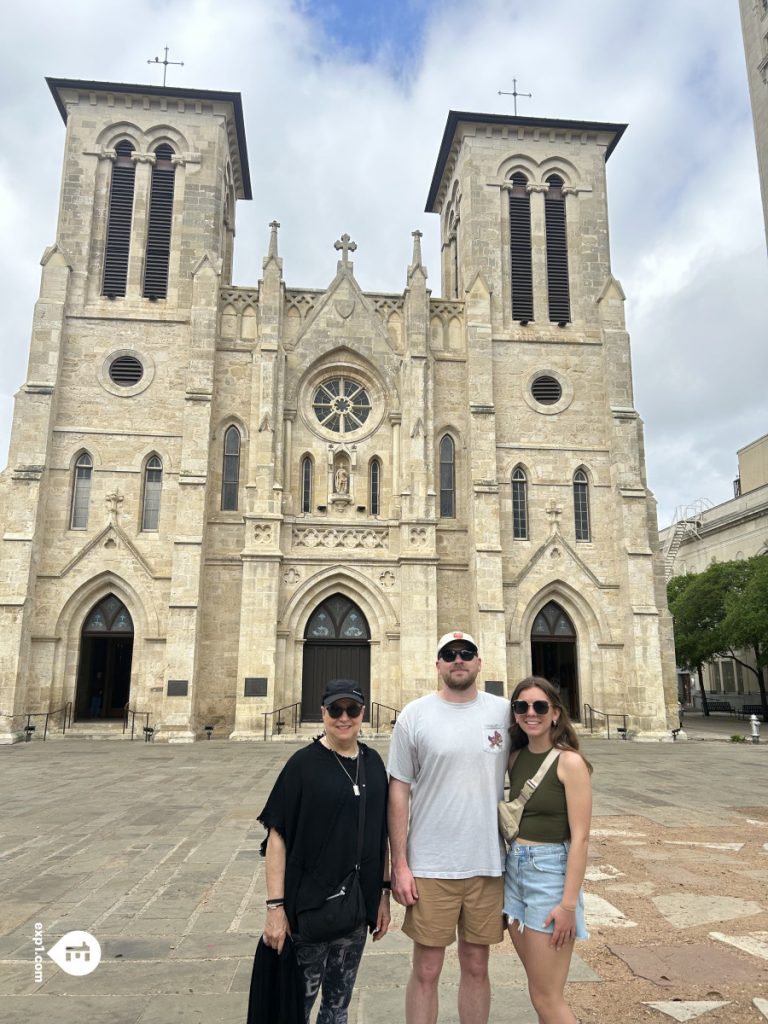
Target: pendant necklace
355, 787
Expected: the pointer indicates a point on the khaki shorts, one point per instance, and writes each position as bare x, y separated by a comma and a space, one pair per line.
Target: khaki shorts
471, 905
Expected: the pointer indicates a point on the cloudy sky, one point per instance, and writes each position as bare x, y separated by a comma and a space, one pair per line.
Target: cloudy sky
345, 104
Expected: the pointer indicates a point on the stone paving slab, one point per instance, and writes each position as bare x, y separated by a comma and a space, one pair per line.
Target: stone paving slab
155, 850
670, 966
42, 1009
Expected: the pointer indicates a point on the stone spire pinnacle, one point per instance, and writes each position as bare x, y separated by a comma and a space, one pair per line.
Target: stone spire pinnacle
272, 259
416, 266
416, 261
272, 251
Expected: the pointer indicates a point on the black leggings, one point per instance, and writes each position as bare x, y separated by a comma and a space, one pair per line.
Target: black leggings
334, 966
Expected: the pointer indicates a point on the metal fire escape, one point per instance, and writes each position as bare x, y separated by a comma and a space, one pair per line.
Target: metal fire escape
688, 521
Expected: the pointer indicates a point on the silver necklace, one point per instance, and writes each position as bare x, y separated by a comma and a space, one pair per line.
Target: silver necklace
355, 787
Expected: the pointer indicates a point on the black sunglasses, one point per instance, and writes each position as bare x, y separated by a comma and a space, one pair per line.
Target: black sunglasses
541, 707
337, 710
450, 655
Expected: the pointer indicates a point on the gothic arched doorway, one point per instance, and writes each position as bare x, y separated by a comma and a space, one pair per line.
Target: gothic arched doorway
335, 647
553, 654
104, 667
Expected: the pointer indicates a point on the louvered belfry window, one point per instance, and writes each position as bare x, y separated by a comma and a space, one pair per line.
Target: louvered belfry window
119, 220
557, 252
520, 249
160, 220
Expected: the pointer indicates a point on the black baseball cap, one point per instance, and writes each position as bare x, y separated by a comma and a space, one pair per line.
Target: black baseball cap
339, 688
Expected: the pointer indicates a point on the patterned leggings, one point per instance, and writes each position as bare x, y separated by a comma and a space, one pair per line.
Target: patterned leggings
334, 966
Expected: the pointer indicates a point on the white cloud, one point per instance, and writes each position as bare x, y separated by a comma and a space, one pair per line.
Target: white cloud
338, 145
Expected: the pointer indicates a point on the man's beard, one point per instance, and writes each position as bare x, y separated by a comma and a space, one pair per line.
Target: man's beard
460, 684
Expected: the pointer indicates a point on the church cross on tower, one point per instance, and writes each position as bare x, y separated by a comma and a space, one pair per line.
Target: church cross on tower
345, 246
514, 94
165, 62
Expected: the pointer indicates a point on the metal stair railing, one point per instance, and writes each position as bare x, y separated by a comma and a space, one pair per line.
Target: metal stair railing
29, 729
279, 724
589, 720
375, 713
127, 711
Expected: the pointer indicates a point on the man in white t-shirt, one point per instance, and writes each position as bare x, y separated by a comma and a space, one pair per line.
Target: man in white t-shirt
446, 764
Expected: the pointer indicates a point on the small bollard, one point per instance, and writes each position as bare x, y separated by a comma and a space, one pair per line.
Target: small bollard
208, 730
623, 733
754, 724
279, 726
29, 729
149, 733
675, 733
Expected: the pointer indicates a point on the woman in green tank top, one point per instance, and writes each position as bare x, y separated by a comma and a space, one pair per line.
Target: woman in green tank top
546, 863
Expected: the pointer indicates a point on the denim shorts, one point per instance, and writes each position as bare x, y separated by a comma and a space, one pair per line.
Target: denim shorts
533, 885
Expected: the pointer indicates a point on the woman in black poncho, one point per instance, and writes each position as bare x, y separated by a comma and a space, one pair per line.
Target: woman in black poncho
312, 821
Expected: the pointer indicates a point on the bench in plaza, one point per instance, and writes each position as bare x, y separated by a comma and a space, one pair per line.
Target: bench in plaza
750, 709
720, 705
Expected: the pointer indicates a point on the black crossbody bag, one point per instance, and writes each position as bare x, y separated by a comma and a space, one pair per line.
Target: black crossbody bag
344, 910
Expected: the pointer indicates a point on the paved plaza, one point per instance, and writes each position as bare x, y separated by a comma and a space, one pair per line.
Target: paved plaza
154, 850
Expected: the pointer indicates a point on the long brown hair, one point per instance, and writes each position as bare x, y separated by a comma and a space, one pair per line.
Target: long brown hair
563, 735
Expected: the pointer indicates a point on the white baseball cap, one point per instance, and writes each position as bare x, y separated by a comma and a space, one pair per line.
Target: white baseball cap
456, 634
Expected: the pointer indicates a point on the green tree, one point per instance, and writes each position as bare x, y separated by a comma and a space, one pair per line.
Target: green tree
745, 625
697, 607
721, 612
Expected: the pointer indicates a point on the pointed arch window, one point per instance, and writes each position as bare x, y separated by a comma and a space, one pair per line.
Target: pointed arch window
153, 485
337, 619
558, 287
306, 484
521, 260
447, 477
374, 487
119, 221
230, 477
519, 504
81, 492
160, 222
581, 505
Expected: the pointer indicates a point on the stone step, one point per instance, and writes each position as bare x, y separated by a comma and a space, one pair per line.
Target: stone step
96, 731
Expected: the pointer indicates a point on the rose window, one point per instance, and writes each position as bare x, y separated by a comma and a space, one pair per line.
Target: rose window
341, 405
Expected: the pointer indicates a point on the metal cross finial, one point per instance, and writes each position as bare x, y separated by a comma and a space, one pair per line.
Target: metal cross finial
345, 246
514, 94
165, 62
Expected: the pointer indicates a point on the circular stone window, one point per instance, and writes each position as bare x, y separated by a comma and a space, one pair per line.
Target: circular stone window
546, 390
341, 405
126, 371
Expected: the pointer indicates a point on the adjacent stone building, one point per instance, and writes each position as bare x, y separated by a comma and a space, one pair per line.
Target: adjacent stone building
731, 531
220, 497
754, 27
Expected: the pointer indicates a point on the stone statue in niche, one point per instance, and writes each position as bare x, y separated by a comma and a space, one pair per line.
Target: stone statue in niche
341, 480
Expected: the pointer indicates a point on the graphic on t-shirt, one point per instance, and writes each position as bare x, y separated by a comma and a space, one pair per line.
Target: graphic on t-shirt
493, 739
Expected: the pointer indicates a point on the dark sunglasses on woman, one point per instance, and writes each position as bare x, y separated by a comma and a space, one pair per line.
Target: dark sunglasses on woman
337, 710
451, 655
540, 707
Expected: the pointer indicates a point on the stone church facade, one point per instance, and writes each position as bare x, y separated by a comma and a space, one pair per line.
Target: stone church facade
219, 497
